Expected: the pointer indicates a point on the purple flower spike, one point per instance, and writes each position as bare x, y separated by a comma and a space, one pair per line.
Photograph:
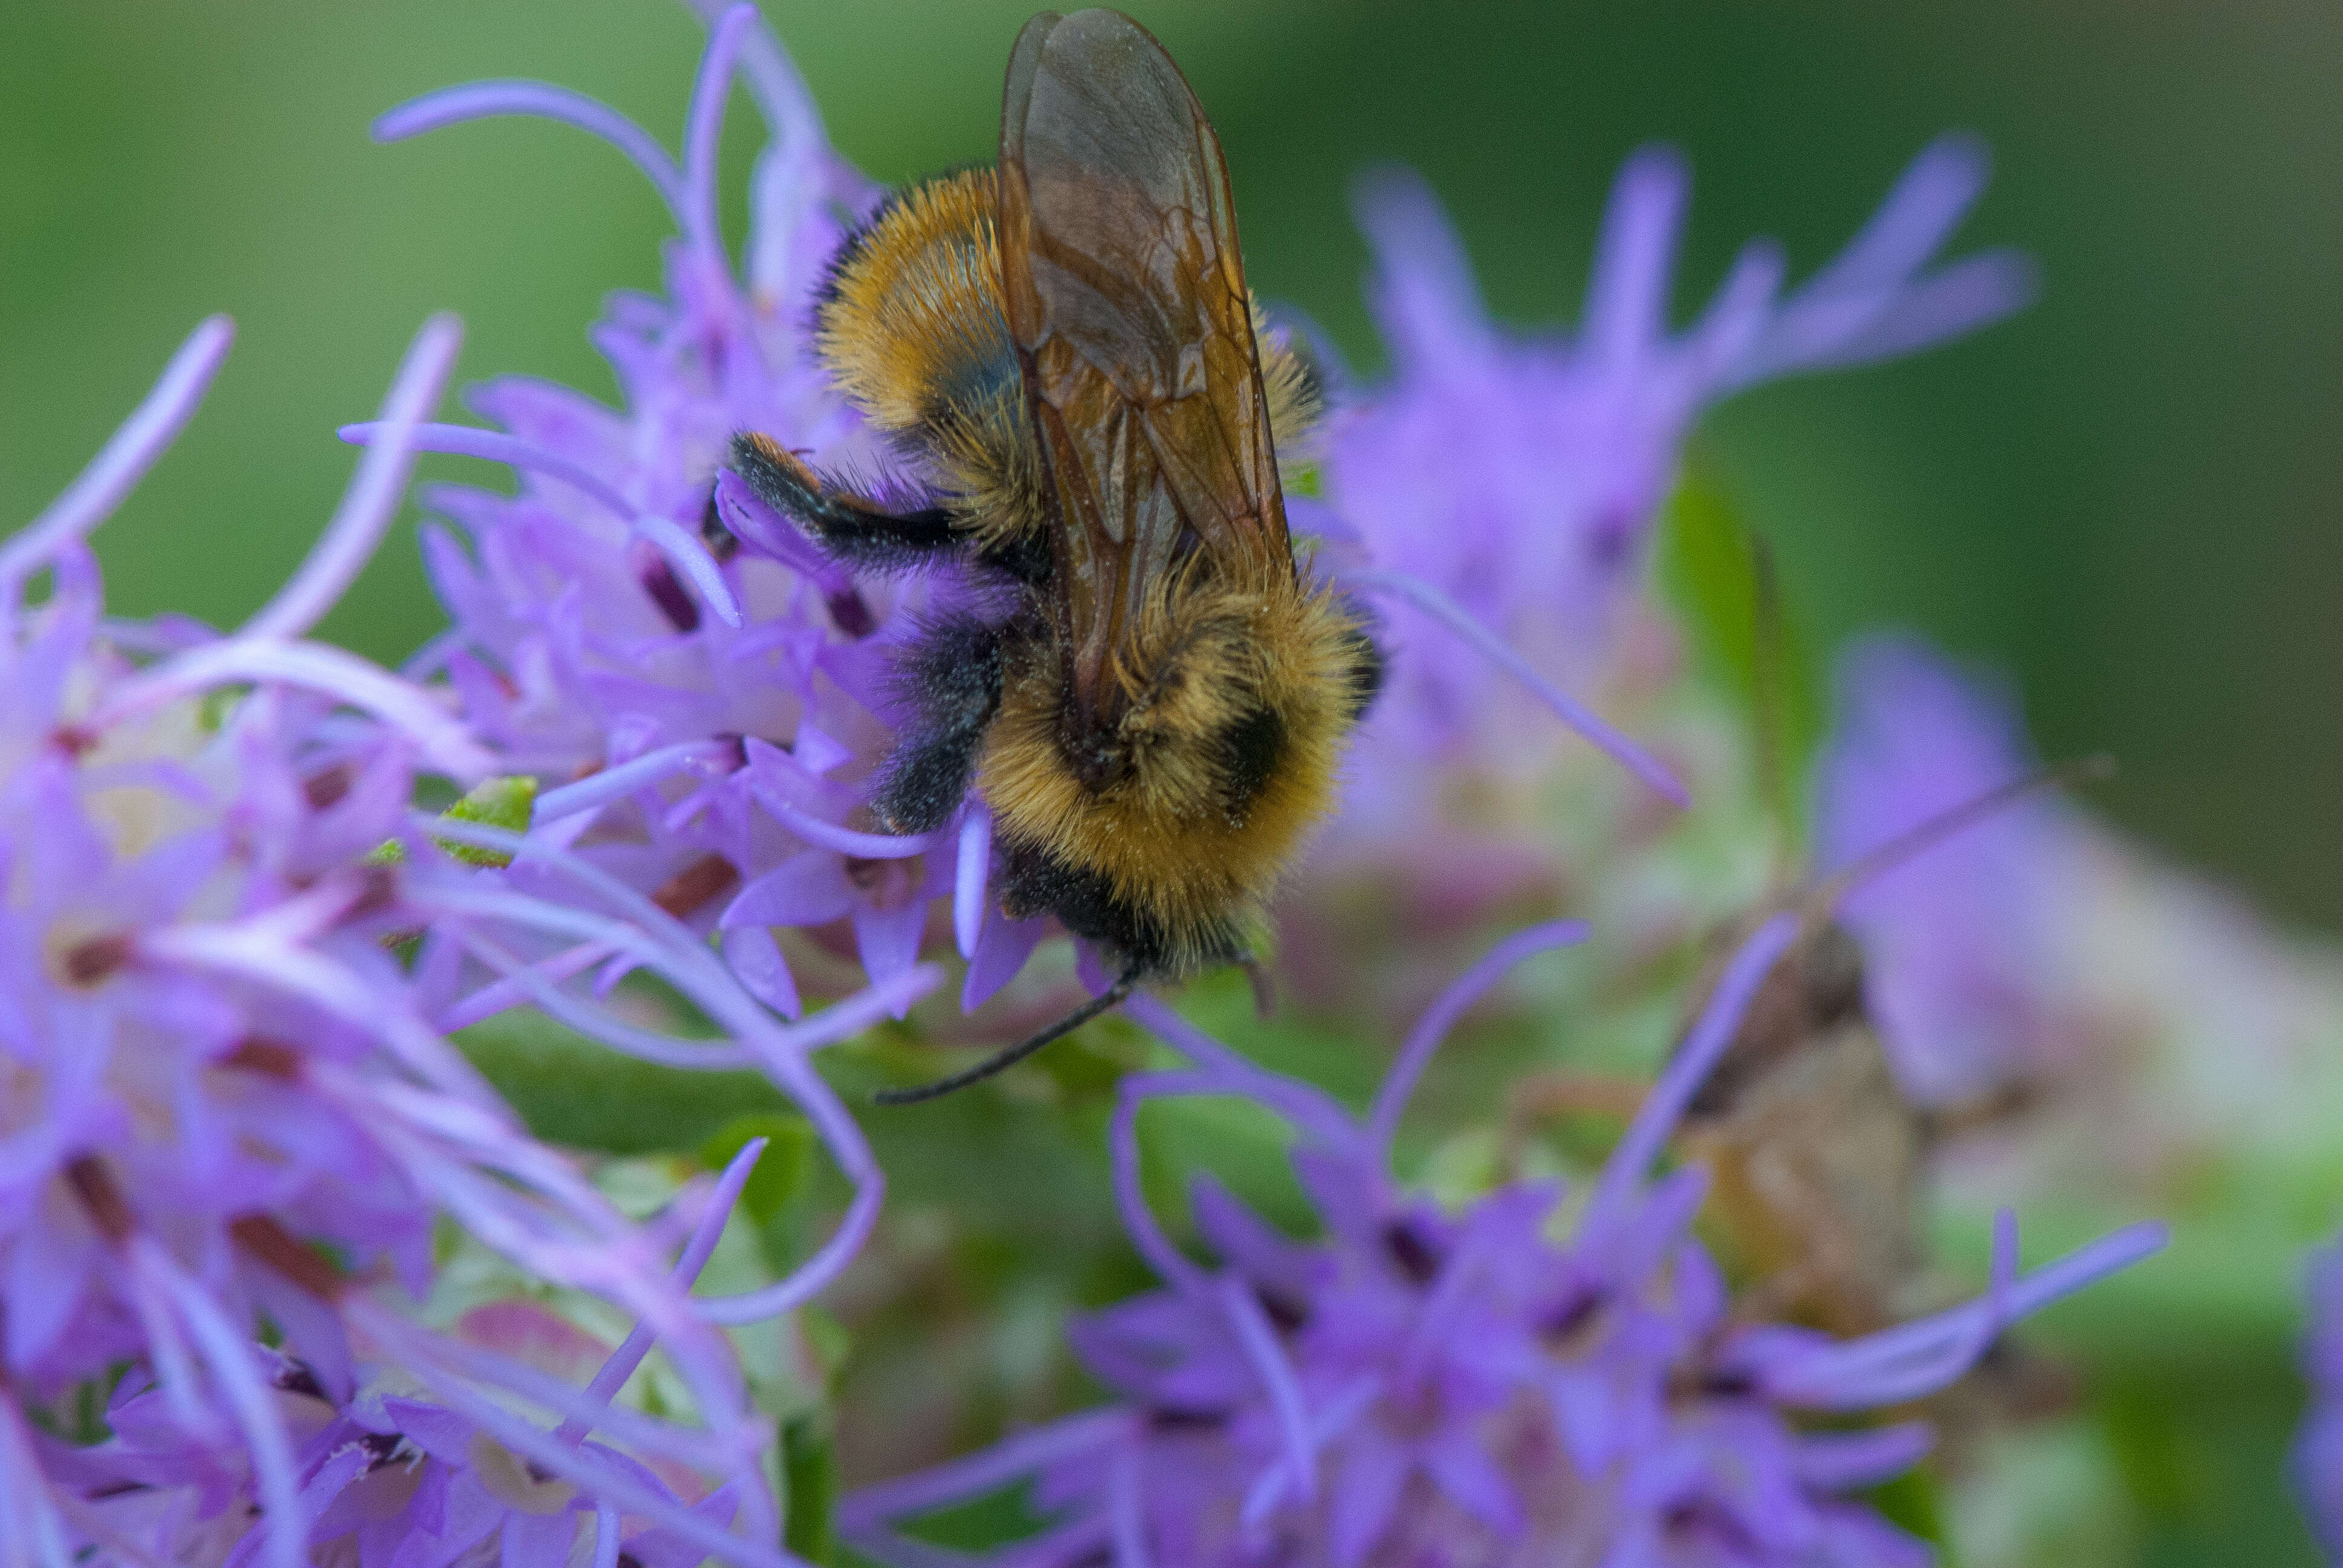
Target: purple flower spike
1516, 479
1418, 1388
422, 1457
1957, 943
230, 1107
373, 499
701, 697
115, 472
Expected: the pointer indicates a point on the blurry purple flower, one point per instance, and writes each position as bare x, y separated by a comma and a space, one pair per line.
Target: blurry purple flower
225, 1100
704, 705
389, 1476
1513, 482
1960, 955
2318, 1447
1424, 1389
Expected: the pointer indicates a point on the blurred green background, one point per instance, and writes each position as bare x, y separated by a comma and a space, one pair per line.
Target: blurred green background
2126, 497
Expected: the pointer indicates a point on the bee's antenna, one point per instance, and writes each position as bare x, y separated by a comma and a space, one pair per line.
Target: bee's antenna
1112, 997
1823, 897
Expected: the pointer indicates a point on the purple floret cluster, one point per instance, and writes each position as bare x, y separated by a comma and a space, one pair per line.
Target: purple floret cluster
1505, 488
236, 1123
238, 1140
702, 696
1959, 946
1494, 1386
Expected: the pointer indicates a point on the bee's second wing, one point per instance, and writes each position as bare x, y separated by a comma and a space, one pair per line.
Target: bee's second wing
1127, 301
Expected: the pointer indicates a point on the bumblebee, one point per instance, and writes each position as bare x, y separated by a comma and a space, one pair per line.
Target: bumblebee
1064, 350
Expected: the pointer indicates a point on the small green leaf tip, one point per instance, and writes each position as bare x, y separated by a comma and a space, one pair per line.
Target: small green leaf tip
497, 803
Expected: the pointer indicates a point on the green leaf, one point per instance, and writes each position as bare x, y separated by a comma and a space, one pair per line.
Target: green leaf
579, 1092
497, 803
1910, 1503
779, 1173
1712, 569
809, 1466
213, 709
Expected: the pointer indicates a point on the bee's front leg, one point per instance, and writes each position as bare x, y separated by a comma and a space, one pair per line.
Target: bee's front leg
849, 527
952, 675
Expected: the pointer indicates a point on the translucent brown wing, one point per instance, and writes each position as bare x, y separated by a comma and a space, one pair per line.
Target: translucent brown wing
1127, 302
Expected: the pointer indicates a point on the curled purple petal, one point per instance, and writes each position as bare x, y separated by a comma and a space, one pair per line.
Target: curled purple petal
622, 779
372, 500
117, 469
1415, 1052
469, 441
1455, 617
696, 1253
846, 840
970, 873
704, 128
1421, 289
1268, 1363
1919, 213
1627, 299
441, 738
688, 557
541, 100
1719, 1020
1915, 1358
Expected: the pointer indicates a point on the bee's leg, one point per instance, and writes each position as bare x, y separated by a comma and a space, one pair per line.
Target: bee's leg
1264, 985
952, 674
851, 527
1112, 997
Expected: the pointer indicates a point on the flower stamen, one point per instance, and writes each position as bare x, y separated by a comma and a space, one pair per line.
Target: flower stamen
93, 1184
697, 886
272, 1244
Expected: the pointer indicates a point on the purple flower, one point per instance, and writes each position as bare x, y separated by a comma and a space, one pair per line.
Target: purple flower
1505, 486
1422, 1388
225, 1101
1961, 949
2318, 1447
391, 1475
703, 705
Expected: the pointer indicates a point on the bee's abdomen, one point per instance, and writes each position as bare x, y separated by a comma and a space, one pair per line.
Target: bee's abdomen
1036, 882
1252, 746
1161, 833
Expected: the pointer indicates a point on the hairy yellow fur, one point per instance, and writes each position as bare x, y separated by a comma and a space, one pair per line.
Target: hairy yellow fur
1291, 389
916, 303
914, 332
1161, 835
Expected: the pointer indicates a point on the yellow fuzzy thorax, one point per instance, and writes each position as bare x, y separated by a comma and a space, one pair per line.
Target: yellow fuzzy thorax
1162, 836
914, 333
917, 301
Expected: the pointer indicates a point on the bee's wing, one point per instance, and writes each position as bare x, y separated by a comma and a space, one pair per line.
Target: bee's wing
1127, 302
